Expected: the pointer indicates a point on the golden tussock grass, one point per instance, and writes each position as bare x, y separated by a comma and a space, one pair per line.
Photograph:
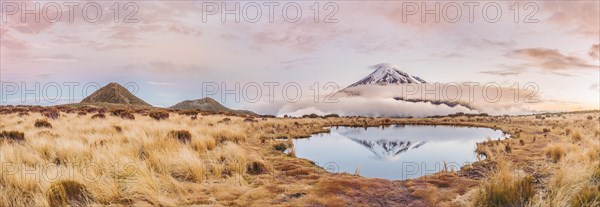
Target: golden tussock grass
555, 152
118, 161
128, 158
505, 188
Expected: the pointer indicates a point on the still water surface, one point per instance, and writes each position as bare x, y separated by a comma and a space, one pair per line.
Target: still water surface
395, 152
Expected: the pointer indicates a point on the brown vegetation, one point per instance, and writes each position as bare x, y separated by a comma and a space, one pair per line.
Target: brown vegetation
159, 115
124, 114
42, 124
224, 160
183, 136
12, 135
98, 116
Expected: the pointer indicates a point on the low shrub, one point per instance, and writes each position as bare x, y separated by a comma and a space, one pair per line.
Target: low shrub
507, 148
98, 116
183, 136
122, 113
159, 115
312, 116
189, 113
257, 167
12, 135
250, 120
52, 114
118, 128
127, 116
42, 124
337, 116
280, 147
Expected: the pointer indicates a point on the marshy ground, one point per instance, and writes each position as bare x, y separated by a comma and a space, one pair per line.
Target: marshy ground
88, 156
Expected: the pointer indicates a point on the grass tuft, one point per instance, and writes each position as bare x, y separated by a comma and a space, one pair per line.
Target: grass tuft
223, 136
257, 167
12, 135
42, 124
507, 148
587, 196
183, 136
555, 152
280, 147
576, 136
68, 193
505, 189
118, 128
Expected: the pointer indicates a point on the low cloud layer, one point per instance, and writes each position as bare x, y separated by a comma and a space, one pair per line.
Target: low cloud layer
359, 106
376, 100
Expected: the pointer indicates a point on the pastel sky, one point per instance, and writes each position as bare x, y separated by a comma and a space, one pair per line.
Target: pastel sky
171, 51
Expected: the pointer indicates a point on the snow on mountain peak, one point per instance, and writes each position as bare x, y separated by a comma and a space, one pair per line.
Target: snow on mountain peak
385, 74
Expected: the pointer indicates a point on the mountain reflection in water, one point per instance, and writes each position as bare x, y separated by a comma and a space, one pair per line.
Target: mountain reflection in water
387, 149
387, 152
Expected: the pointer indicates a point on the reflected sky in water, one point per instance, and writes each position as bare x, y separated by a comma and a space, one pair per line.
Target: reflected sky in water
395, 152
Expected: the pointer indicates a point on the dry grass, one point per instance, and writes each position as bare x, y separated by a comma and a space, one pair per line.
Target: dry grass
132, 162
183, 136
222, 134
68, 193
258, 167
555, 152
505, 188
587, 196
576, 137
130, 159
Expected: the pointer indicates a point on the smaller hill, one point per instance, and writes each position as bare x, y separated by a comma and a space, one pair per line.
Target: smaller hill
207, 104
113, 93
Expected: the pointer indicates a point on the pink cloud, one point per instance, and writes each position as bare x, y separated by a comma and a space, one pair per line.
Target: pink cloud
10, 42
580, 17
551, 59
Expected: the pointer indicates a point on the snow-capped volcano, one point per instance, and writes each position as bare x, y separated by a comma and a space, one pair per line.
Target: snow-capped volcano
385, 74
